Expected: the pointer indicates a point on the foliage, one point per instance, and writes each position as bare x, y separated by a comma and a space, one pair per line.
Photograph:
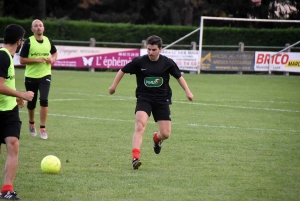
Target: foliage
129, 33
162, 12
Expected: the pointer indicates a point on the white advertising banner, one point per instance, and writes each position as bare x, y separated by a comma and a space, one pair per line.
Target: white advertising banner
90, 57
94, 57
284, 61
187, 60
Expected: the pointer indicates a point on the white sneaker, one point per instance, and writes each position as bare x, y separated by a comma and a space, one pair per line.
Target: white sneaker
43, 134
32, 130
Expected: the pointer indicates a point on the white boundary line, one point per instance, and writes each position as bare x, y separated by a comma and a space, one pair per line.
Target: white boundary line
241, 107
180, 102
68, 99
173, 123
234, 127
245, 101
193, 103
134, 98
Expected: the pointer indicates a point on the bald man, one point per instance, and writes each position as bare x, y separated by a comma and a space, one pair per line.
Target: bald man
38, 53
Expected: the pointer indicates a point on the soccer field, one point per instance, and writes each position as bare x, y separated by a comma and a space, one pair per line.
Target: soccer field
238, 140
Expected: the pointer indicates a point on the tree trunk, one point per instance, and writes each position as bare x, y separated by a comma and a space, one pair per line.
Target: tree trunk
175, 16
188, 19
42, 10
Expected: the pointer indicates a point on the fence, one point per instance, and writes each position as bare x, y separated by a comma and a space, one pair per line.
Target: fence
88, 56
193, 45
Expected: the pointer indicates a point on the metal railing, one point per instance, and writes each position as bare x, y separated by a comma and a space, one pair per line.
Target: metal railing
175, 46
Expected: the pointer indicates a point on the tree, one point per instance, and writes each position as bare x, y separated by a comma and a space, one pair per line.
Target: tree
168, 12
1, 7
283, 9
20, 9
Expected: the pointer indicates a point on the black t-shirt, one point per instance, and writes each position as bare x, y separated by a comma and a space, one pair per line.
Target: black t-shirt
4, 64
152, 77
25, 48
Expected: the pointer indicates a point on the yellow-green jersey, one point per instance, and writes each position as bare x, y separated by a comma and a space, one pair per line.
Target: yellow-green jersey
7, 71
37, 50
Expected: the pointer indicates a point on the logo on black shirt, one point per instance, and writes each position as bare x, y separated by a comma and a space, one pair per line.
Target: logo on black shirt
153, 81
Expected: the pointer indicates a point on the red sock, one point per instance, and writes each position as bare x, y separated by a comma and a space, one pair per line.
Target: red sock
135, 153
155, 138
6, 187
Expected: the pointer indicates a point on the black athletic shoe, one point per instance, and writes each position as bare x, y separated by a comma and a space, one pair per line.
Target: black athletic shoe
136, 163
9, 195
157, 146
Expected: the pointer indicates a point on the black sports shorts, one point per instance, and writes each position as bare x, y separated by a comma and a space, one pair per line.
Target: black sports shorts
36, 85
160, 111
10, 124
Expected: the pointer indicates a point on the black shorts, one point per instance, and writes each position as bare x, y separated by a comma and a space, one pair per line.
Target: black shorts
37, 85
160, 111
10, 124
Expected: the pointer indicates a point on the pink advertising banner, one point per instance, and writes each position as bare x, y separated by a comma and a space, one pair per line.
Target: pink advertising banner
93, 57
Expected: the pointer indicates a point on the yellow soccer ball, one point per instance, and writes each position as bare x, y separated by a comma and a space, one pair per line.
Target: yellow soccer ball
51, 164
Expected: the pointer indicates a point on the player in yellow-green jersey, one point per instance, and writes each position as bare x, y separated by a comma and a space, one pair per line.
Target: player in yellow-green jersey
10, 99
38, 53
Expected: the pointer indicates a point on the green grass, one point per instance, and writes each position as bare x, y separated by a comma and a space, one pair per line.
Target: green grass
238, 140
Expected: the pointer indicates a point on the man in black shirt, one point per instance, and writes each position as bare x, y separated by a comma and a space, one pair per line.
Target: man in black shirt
153, 94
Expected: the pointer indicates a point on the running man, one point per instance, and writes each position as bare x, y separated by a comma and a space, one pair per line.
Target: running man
153, 94
38, 53
10, 99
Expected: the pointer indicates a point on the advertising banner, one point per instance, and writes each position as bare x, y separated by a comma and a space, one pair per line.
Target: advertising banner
227, 61
90, 57
284, 61
187, 60
94, 57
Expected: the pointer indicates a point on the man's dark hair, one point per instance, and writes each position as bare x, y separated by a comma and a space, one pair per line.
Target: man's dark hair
13, 33
154, 40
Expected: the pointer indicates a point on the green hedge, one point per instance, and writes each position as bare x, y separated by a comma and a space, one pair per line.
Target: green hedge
128, 33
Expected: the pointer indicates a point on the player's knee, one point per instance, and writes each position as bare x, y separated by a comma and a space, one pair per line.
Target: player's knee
44, 103
31, 105
140, 127
12, 145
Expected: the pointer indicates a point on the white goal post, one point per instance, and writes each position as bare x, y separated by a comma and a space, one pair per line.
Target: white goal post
227, 19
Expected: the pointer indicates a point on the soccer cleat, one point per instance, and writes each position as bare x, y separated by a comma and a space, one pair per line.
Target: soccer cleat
156, 146
32, 130
9, 195
136, 163
43, 134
